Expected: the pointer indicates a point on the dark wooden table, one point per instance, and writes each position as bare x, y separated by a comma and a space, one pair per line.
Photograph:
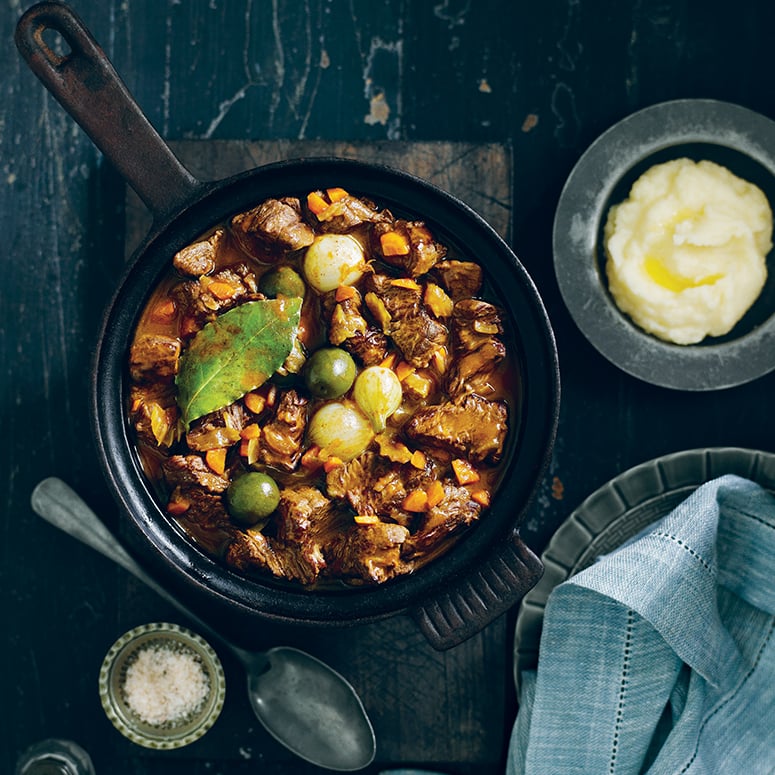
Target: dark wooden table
532, 83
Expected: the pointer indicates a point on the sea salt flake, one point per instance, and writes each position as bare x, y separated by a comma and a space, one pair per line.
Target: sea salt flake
165, 685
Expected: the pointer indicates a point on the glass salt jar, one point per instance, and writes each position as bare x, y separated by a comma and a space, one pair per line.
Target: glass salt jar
55, 757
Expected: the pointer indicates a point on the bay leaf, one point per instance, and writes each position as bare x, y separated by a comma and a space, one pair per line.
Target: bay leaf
234, 354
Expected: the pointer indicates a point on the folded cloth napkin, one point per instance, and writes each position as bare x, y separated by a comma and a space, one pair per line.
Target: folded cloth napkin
660, 658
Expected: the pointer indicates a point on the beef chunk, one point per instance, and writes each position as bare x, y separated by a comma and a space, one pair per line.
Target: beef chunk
456, 511
372, 485
350, 329
371, 552
347, 213
199, 258
461, 279
204, 518
304, 514
154, 357
217, 429
370, 347
404, 318
477, 349
300, 559
205, 510
304, 511
204, 298
275, 225
245, 554
306, 525
191, 470
475, 322
281, 437
421, 251
471, 427
251, 551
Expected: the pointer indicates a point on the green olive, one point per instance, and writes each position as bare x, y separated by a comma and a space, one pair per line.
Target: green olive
282, 281
329, 372
252, 497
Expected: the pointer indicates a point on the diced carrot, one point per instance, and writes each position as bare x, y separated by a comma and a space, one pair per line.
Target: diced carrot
335, 194
482, 497
403, 370
435, 493
416, 500
394, 244
405, 282
389, 361
216, 460
252, 431
164, 311
178, 506
344, 292
136, 404
465, 473
221, 290
255, 402
331, 463
366, 519
418, 459
316, 203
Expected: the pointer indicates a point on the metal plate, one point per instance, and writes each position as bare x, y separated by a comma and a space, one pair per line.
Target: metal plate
735, 137
619, 510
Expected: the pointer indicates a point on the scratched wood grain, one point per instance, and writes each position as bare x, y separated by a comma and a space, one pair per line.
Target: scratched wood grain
427, 707
477, 173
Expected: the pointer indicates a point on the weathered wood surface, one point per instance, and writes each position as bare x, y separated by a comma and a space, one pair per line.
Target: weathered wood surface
478, 174
543, 78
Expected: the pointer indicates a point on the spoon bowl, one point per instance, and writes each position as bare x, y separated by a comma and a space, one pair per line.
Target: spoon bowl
303, 703
301, 699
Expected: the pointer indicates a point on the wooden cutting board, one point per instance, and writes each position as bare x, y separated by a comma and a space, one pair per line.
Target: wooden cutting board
428, 708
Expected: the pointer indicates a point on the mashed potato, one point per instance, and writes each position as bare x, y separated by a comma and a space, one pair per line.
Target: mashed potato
686, 252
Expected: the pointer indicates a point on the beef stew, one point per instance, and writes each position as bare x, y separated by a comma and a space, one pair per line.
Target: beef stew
343, 354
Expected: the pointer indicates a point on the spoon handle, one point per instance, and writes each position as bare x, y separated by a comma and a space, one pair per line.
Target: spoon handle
62, 507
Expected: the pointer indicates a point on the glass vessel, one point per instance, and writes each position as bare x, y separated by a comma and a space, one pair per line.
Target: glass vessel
55, 757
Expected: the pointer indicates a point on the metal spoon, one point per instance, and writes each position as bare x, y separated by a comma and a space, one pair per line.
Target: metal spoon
302, 702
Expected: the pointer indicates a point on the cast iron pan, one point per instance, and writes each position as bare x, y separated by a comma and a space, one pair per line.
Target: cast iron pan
452, 597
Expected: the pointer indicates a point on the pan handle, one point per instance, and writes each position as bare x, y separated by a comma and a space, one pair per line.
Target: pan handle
475, 601
87, 86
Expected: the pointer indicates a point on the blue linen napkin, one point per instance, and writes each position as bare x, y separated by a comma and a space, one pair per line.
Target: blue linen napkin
660, 658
